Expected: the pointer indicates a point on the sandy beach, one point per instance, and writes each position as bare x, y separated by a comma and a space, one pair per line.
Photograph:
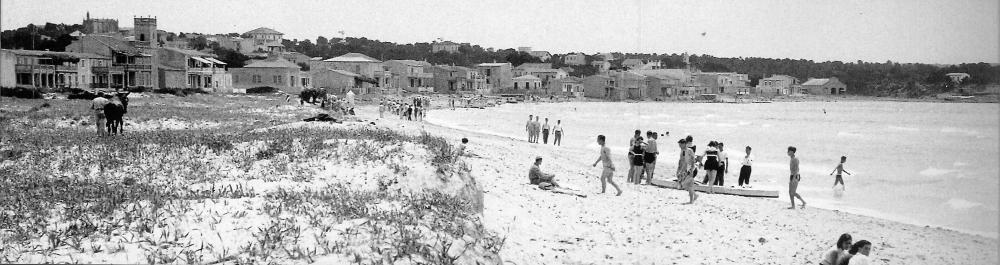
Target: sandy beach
649, 225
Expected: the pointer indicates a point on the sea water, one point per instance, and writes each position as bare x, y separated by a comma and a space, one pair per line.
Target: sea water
922, 163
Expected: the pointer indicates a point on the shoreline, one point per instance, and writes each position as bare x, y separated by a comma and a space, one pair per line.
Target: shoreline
648, 224
823, 204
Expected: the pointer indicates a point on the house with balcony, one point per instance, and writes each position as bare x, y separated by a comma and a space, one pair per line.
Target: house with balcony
263, 40
458, 79
45, 69
272, 72
776, 85
601, 86
179, 68
129, 66
411, 75
616, 85
721, 83
666, 83
499, 76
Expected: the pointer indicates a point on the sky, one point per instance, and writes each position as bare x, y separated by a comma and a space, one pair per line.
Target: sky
921, 31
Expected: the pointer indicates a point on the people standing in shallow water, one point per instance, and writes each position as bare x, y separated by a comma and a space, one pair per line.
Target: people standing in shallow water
794, 178
608, 168
840, 171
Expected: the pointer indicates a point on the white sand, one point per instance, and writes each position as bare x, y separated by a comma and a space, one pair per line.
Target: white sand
648, 225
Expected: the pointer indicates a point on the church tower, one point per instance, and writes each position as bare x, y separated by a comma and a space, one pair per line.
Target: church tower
145, 31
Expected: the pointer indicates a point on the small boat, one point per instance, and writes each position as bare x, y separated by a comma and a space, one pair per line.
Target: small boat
720, 190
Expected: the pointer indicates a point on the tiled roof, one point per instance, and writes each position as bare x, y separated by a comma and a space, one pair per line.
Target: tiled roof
189, 52
411, 62
263, 30
492, 64
527, 77
343, 72
353, 57
113, 43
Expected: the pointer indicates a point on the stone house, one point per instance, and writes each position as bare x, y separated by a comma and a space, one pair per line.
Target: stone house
273, 72
824, 86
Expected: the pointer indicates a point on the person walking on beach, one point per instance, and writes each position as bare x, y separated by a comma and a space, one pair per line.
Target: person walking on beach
637, 161
745, 170
685, 166
833, 254
608, 169
794, 178
545, 132
558, 131
720, 175
527, 126
98, 106
840, 171
649, 156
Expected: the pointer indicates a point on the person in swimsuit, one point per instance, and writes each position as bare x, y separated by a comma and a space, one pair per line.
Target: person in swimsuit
794, 178
527, 127
685, 167
711, 165
650, 156
631, 143
609, 168
840, 171
637, 161
833, 254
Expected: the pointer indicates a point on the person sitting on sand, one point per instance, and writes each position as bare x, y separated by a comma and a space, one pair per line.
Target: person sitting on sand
840, 171
536, 177
794, 178
833, 254
858, 255
608, 171
685, 167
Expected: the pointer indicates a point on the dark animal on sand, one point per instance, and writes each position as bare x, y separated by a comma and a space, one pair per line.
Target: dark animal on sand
114, 113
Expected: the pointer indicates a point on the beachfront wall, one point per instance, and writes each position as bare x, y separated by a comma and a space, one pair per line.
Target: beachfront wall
824, 86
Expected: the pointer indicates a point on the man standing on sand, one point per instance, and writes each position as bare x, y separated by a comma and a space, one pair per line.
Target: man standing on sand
98, 106
794, 178
650, 156
558, 131
545, 132
608, 171
538, 127
527, 127
631, 143
685, 167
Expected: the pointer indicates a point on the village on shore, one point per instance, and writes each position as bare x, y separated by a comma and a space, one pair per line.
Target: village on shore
105, 56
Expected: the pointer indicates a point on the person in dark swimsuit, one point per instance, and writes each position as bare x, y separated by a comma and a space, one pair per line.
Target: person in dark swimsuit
650, 156
711, 165
637, 161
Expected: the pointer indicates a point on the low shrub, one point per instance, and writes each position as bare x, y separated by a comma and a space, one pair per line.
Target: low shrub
261, 90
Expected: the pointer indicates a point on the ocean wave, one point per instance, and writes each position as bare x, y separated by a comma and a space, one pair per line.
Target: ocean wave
962, 204
849, 134
905, 129
960, 131
934, 172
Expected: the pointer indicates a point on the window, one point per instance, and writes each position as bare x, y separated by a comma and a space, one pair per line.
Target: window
257, 79
274, 79
236, 79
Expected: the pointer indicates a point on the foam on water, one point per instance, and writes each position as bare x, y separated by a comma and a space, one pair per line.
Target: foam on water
848, 134
934, 172
960, 131
960, 164
962, 204
905, 129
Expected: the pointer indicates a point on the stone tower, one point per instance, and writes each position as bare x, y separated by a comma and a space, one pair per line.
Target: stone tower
145, 31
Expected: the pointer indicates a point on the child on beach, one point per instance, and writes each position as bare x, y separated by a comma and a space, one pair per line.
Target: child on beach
637, 161
745, 171
794, 178
608, 171
840, 171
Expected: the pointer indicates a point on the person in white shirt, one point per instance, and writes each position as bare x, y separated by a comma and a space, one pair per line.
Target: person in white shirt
558, 133
98, 106
744, 181
545, 132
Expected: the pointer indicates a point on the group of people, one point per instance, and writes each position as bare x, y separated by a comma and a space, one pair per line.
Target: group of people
411, 111
642, 157
535, 129
848, 253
